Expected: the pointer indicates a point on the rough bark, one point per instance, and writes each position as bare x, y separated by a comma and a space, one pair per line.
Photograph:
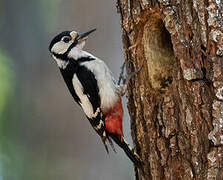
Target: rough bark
176, 101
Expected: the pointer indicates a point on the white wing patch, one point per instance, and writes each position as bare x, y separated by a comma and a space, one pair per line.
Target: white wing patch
84, 101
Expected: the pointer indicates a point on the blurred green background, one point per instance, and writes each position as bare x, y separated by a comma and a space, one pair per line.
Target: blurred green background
43, 134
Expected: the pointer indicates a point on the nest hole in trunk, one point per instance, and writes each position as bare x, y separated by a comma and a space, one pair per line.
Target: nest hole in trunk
158, 50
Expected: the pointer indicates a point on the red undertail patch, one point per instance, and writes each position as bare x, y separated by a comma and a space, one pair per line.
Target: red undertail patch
113, 119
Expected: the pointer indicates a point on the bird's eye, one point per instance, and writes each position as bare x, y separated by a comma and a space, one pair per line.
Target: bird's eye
66, 39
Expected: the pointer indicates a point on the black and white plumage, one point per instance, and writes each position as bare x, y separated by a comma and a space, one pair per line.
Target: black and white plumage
93, 87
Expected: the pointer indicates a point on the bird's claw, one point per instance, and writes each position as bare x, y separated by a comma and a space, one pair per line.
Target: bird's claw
125, 79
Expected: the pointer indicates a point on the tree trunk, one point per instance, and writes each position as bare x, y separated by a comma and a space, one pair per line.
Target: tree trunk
176, 100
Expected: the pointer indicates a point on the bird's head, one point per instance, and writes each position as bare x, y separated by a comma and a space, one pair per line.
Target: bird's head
68, 44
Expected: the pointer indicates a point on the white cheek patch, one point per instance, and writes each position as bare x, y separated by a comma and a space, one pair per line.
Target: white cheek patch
60, 47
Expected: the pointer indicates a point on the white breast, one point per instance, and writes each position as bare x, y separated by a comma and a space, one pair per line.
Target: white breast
106, 82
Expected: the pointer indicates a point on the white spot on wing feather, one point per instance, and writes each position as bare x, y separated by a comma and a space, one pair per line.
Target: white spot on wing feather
100, 125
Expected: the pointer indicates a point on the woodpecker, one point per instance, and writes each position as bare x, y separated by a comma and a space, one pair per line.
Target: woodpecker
93, 87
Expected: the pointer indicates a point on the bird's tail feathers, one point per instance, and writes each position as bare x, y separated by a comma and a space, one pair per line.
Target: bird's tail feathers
128, 150
105, 145
104, 140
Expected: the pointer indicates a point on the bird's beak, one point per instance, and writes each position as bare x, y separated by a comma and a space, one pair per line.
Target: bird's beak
83, 36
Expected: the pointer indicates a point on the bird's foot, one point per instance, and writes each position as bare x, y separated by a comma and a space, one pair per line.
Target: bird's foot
126, 78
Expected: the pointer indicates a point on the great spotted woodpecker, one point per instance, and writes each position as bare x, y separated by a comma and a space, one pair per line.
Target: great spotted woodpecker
93, 87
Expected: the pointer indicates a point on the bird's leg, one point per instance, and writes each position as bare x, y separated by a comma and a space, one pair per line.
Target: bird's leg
125, 80
121, 76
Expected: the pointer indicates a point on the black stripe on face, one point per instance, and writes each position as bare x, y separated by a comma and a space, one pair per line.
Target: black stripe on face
66, 58
71, 46
61, 56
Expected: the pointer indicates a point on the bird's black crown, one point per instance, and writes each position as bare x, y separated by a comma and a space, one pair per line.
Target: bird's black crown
58, 38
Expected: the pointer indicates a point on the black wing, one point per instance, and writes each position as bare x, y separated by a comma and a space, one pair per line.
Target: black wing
90, 86
91, 90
